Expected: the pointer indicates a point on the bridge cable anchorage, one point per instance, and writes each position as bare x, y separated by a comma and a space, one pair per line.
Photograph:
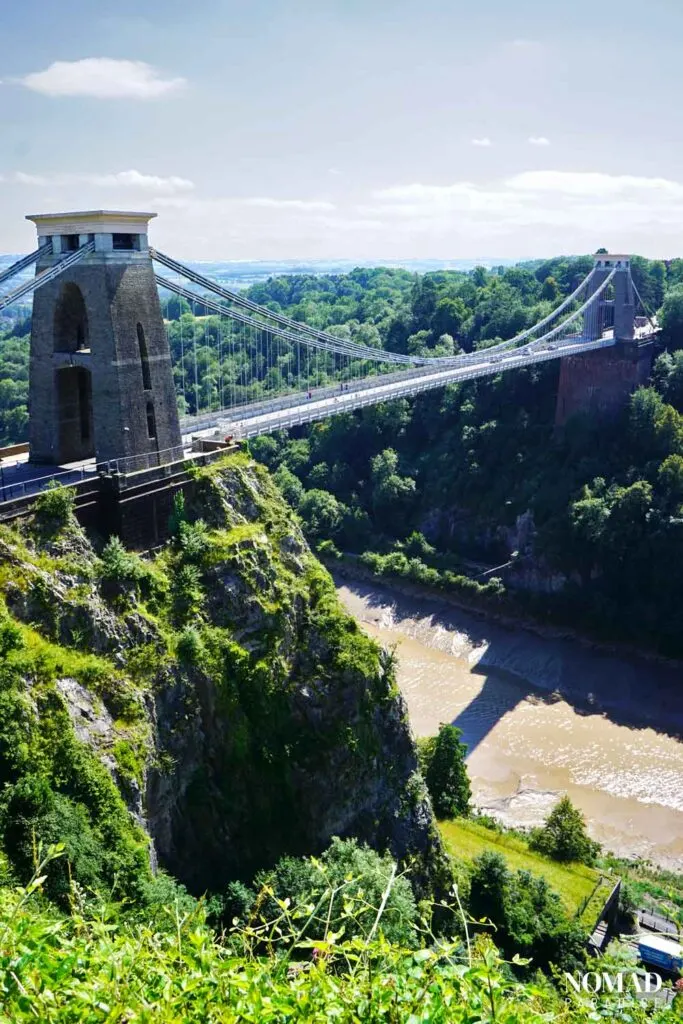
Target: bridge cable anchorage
46, 276
26, 261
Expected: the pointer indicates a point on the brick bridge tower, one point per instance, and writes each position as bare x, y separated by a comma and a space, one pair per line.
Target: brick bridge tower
599, 382
100, 377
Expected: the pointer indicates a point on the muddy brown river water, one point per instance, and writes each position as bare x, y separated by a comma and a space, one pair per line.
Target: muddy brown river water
542, 716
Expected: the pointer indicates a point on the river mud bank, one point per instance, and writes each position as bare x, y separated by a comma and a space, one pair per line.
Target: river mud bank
542, 715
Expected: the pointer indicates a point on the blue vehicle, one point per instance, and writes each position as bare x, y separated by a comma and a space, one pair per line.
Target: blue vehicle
657, 951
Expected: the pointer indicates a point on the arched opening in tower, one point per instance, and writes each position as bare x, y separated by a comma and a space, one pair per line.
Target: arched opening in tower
144, 359
71, 321
74, 412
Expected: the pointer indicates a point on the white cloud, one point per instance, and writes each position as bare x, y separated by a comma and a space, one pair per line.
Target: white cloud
132, 180
595, 185
538, 140
102, 78
287, 204
599, 206
484, 142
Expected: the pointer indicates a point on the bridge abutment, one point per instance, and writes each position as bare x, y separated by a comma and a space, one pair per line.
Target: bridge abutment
599, 382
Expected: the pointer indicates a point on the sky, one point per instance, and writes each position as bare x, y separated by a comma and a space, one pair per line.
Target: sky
357, 129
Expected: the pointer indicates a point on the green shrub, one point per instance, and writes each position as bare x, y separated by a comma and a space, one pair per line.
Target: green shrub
128, 763
117, 563
346, 887
11, 636
35, 814
398, 564
178, 514
187, 594
101, 967
417, 546
528, 917
54, 506
125, 575
235, 904
194, 540
628, 904
328, 549
190, 647
161, 902
291, 487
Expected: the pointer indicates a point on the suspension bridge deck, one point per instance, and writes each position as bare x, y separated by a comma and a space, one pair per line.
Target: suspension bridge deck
247, 422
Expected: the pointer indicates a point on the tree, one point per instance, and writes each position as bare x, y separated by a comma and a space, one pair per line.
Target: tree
397, 334
448, 317
392, 495
445, 772
627, 525
488, 889
321, 512
265, 449
423, 301
419, 343
670, 482
667, 375
671, 317
564, 836
479, 277
297, 454
290, 485
550, 291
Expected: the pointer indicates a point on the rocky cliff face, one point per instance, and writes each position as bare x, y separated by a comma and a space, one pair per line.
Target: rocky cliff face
497, 542
217, 689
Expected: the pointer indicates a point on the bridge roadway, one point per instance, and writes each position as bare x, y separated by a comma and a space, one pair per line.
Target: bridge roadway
248, 421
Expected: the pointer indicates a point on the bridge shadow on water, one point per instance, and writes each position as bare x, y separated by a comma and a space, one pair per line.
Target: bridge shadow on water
520, 665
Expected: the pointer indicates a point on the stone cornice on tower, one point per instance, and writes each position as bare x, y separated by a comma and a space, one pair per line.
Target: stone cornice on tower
85, 222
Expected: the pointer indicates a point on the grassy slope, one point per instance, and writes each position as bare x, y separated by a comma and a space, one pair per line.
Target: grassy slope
575, 883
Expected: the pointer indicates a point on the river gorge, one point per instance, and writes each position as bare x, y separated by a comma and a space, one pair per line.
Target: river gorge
542, 715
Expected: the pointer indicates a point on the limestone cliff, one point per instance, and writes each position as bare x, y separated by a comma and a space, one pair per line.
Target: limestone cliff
216, 687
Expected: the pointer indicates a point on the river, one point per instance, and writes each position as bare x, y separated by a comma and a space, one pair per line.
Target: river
542, 715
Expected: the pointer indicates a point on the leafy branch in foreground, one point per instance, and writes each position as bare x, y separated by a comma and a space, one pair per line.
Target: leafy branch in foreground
99, 966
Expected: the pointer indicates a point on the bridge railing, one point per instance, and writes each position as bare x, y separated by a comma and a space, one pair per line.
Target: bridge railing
10, 489
146, 460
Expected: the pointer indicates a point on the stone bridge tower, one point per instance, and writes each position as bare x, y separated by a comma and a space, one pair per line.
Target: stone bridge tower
100, 377
599, 382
